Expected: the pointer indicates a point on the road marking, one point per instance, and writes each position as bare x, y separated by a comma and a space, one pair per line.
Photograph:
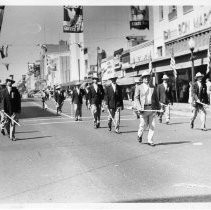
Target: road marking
197, 143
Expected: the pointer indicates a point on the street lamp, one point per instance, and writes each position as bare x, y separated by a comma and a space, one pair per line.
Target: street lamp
191, 44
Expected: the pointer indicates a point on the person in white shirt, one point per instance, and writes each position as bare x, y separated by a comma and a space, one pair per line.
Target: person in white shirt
146, 101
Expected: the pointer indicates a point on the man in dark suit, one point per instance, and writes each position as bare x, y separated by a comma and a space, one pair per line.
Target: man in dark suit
114, 103
96, 95
165, 97
86, 94
2, 86
199, 95
11, 105
59, 98
77, 100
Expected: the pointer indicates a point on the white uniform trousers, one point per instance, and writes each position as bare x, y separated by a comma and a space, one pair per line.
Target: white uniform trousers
203, 114
166, 109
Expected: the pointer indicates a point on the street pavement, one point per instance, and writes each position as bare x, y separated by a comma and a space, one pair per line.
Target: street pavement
56, 159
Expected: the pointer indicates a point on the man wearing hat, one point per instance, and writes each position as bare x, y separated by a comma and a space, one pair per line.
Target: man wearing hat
77, 100
11, 105
114, 103
165, 97
59, 99
146, 101
2, 86
199, 95
96, 95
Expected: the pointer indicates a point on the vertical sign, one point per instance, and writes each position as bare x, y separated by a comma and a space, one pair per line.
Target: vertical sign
139, 17
73, 19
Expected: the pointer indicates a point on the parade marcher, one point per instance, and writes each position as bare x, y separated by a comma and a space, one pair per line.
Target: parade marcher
86, 94
77, 100
96, 95
11, 105
44, 98
138, 81
59, 99
1, 113
146, 101
208, 84
200, 97
165, 97
114, 103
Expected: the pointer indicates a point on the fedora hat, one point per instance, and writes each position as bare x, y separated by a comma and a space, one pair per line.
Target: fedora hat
94, 76
10, 80
199, 74
58, 87
165, 77
145, 73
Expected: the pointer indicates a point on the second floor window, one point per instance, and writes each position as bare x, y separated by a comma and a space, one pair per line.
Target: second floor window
172, 12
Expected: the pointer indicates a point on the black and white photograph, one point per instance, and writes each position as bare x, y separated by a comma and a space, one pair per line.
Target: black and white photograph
105, 105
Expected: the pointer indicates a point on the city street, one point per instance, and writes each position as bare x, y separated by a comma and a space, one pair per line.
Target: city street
56, 159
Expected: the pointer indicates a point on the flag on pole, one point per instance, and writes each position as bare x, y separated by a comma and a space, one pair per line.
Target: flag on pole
172, 64
208, 56
150, 64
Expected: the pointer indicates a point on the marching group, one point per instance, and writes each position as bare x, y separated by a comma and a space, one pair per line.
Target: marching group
149, 101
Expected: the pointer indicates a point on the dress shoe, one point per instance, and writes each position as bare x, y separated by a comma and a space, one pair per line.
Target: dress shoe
109, 127
98, 125
167, 123
191, 125
3, 132
139, 138
117, 131
204, 129
76, 119
13, 138
151, 144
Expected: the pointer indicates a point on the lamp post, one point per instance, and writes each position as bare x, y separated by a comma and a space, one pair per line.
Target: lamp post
191, 44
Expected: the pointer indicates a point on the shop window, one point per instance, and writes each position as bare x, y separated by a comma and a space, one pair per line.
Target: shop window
172, 12
160, 51
187, 9
161, 13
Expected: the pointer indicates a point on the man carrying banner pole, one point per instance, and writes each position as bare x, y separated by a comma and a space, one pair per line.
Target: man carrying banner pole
147, 104
10, 107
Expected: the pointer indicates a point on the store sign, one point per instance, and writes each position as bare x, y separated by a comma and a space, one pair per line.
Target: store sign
189, 26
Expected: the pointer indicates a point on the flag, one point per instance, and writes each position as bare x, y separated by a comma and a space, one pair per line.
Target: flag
150, 64
1, 16
208, 56
51, 63
4, 51
73, 19
172, 64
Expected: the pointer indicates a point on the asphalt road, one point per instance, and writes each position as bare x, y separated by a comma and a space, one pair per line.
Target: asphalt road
56, 159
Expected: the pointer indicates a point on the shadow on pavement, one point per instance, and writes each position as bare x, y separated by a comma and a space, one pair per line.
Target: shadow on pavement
38, 137
177, 123
129, 131
177, 142
35, 111
27, 132
196, 198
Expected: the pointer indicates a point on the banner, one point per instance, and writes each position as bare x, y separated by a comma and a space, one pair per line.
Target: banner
139, 17
73, 19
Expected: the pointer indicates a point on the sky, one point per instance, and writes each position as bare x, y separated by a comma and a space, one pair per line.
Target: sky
26, 27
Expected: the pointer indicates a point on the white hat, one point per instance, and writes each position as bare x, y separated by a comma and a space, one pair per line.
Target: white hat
199, 74
165, 76
58, 87
94, 76
137, 79
112, 76
145, 73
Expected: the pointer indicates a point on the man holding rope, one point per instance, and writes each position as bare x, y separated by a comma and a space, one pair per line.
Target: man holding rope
114, 103
200, 97
147, 104
10, 108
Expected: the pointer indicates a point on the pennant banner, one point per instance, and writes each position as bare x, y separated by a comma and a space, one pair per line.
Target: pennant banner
139, 17
208, 56
73, 19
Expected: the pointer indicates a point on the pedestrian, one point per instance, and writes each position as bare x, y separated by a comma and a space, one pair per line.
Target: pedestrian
43, 96
77, 101
146, 101
165, 97
59, 99
11, 105
114, 103
200, 97
86, 94
208, 84
96, 95
2, 86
